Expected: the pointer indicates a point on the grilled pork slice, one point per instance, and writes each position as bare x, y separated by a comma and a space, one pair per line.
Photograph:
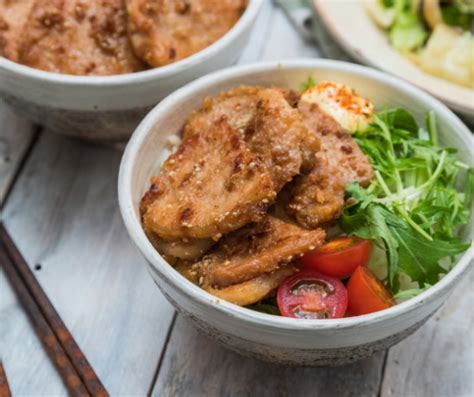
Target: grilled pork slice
237, 106
278, 136
244, 293
78, 37
271, 127
318, 197
13, 17
254, 290
254, 250
186, 248
166, 31
211, 185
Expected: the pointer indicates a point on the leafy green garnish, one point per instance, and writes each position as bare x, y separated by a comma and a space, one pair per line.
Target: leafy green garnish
410, 293
412, 208
388, 3
310, 83
407, 32
464, 6
453, 16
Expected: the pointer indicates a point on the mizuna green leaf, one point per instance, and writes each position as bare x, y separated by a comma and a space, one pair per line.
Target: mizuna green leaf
412, 209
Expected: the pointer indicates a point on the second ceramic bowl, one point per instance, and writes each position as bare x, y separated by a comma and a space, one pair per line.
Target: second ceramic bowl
108, 108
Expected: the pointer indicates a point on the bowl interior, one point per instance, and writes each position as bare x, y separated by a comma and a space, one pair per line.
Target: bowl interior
149, 145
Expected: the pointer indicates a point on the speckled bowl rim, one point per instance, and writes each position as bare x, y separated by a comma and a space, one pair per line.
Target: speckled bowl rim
162, 72
178, 282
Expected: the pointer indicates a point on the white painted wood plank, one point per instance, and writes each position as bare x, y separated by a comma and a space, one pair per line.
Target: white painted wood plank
15, 137
196, 366
299, 15
258, 37
438, 360
63, 214
27, 365
284, 42
329, 47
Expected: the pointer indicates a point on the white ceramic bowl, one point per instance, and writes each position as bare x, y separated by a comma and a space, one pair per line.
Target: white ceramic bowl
280, 339
108, 108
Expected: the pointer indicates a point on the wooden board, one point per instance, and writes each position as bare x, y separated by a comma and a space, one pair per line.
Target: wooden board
438, 360
27, 365
284, 42
63, 214
257, 43
196, 366
16, 135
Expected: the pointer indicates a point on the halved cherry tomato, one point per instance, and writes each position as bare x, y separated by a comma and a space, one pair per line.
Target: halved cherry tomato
366, 293
308, 294
338, 257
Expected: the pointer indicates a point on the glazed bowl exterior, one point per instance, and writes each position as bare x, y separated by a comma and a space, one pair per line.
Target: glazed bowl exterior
280, 339
108, 108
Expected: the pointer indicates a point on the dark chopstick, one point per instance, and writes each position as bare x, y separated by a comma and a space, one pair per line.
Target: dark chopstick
4, 388
43, 330
71, 362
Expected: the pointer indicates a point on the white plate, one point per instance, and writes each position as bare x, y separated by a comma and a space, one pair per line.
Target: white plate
352, 27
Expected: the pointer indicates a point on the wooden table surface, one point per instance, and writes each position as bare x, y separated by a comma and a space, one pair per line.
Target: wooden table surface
59, 203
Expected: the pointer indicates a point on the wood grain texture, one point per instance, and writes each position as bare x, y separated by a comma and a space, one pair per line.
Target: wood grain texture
42, 328
76, 372
438, 360
196, 366
26, 363
329, 47
284, 42
63, 214
257, 43
16, 135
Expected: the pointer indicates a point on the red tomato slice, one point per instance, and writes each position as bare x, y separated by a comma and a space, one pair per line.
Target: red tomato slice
366, 293
338, 257
308, 294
